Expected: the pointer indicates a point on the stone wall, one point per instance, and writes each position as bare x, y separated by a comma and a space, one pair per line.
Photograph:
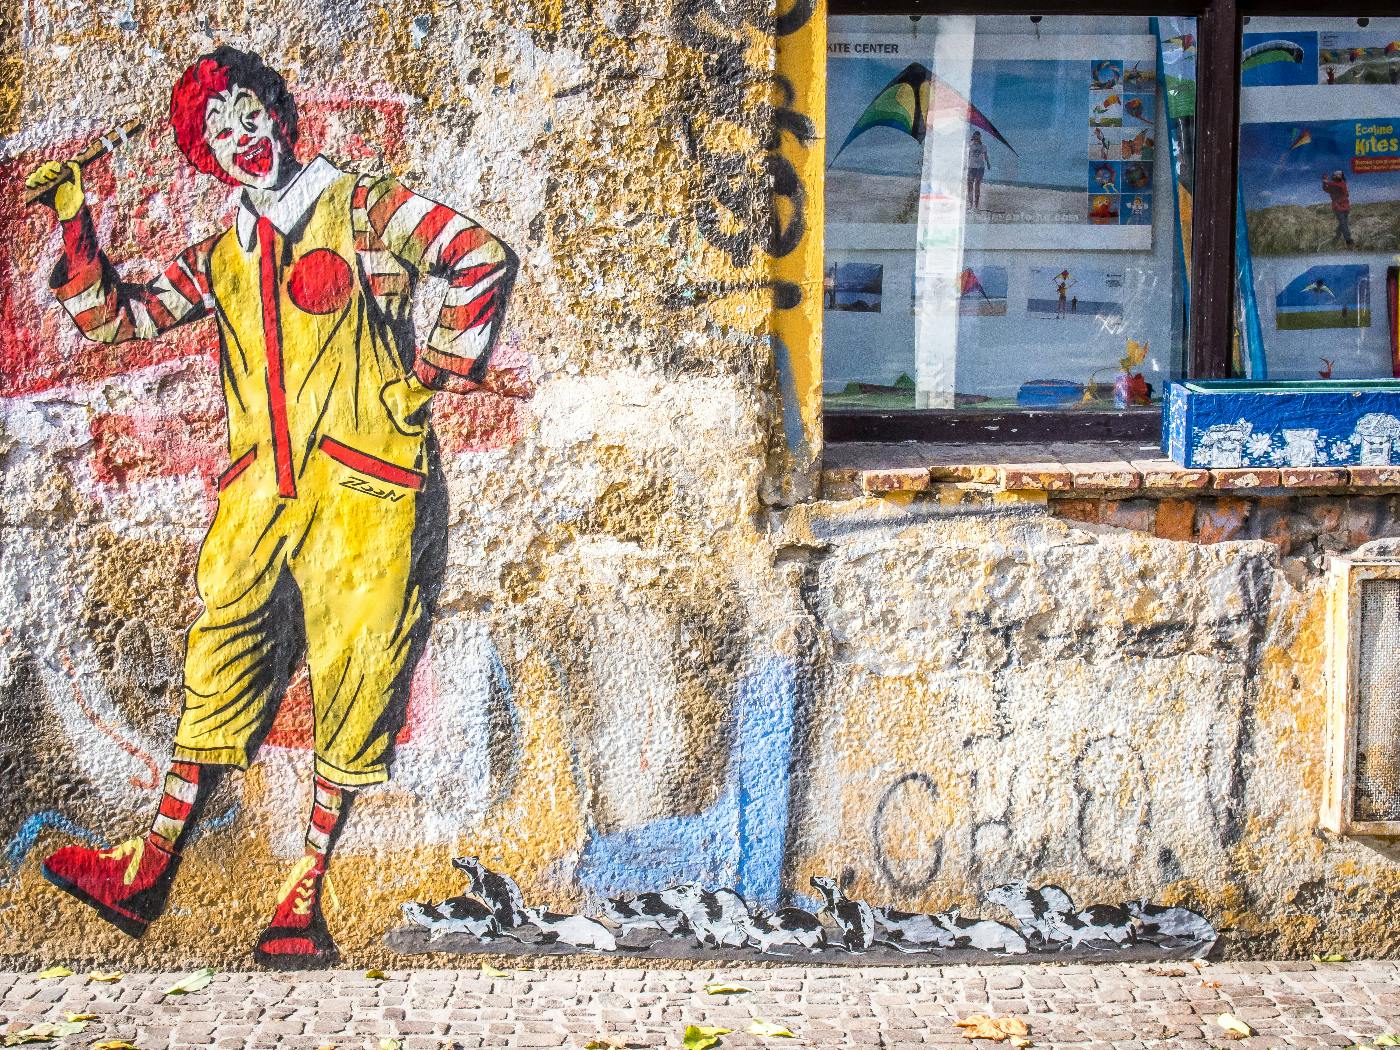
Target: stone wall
656, 657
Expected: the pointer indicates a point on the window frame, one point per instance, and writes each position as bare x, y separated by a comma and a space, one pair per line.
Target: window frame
1219, 28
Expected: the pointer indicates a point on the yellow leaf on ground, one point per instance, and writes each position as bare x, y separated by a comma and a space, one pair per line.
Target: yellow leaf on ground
35, 1033
1387, 1040
487, 970
1232, 1024
55, 971
702, 1037
115, 1044
769, 1030
105, 976
602, 1042
80, 1017
192, 983
724, 988
1329, 957
996, 1029
389, 1044
376, 975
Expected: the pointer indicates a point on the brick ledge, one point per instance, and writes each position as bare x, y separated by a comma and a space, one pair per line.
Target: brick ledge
1104, 468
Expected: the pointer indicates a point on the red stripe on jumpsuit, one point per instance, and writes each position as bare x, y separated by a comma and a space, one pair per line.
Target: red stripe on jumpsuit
276, 388
375, 467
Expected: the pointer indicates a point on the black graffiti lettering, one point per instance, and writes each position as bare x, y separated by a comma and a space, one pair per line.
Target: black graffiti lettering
360, 485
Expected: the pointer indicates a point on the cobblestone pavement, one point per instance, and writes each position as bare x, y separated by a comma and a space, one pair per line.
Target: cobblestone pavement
1103, 1005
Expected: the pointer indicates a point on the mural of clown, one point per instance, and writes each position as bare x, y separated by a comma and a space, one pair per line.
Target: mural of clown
328, 535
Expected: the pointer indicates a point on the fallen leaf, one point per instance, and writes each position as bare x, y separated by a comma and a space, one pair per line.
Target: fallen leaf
487, 970
1210, 984
770, 1030
193, 983
702, 1037
1329, 957
105, 976
80, 1017
1019, 1041
388, 1044
1387, 1040
604, 1043
376, 975
69, 1027
1157, 971
1234, 1025
55, 971
997, 1029
115, 1044
35, 1033
724, 988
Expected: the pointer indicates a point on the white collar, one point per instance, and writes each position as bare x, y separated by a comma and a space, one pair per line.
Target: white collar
295, 201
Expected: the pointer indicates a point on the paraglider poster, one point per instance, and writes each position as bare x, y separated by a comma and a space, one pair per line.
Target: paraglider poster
1313, 187
1278, 59
1325, 297
1057, 137
1074, 294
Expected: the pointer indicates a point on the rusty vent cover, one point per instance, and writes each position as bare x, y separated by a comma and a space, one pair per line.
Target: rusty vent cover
1377, 785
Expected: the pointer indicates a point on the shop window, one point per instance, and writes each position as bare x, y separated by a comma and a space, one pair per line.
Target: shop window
1319, 161
1036, 219
1006, 201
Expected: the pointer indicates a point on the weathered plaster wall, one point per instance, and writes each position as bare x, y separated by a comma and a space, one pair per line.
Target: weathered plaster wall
655, 658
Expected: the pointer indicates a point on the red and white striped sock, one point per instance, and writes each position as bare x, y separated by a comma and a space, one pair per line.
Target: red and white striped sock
177, 803
326, 804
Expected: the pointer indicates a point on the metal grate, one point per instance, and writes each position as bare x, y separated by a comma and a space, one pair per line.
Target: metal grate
1377, 793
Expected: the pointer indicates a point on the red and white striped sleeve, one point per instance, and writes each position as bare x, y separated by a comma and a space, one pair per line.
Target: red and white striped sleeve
430, 238
109, 310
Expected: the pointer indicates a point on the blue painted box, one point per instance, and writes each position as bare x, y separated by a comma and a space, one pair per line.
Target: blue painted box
1317, 423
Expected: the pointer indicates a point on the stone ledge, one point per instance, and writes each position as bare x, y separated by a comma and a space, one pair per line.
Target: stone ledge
854, 469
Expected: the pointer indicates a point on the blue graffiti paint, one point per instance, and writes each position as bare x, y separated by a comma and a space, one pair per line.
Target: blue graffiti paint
23, 840
222, 822
738, 841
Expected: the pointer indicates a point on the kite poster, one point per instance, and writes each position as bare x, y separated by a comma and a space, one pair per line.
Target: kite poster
1358, 57
1026, 116
1278, 59
1322, 187
982, 291
1325, 297
1074, 294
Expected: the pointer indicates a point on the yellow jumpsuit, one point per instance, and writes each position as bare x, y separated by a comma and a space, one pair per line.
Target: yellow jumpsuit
318, 545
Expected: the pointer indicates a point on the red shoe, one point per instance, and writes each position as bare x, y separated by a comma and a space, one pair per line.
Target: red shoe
127, 885
297, 938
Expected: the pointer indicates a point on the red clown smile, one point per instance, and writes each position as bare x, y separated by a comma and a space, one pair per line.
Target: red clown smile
256, 160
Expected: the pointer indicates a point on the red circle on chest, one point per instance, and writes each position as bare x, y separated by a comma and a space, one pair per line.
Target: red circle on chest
320, 282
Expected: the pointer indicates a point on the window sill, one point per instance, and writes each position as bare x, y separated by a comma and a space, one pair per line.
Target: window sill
1126, 468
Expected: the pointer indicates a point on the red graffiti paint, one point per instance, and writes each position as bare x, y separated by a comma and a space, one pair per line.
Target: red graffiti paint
127, 448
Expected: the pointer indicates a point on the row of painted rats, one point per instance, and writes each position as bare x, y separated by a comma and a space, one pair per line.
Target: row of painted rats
1046, 920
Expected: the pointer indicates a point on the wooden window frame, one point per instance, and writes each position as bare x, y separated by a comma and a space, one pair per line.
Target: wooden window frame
1219, 28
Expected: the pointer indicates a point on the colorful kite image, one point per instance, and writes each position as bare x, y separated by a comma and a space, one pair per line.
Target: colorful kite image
1106, 75
1137, 109
1275, 59
1272, 51
1359, 57
904, 104
1301, 137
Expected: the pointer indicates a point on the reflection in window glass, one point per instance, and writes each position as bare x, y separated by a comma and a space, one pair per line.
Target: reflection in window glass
1320, 198
1006, 204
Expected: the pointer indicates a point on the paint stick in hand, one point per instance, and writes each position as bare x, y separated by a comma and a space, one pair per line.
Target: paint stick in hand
98, 147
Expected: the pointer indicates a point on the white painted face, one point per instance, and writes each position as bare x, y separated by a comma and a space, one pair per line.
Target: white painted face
244, 138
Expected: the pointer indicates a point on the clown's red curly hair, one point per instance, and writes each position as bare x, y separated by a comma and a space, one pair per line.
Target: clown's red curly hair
210, 75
